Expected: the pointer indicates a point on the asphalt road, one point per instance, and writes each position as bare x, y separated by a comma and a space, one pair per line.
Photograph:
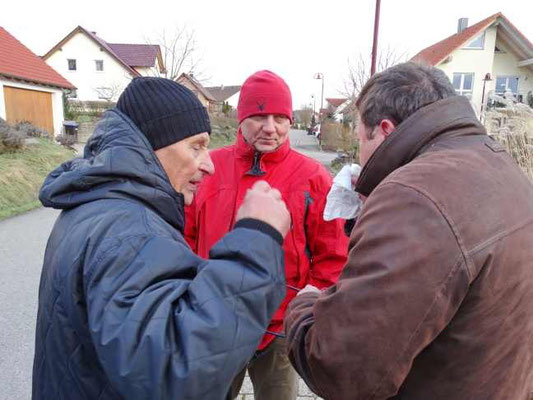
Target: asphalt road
22, 245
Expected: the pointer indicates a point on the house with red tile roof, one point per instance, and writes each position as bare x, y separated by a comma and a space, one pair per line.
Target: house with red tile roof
339, 109
489, 57
30, 90
101, 70
191, 83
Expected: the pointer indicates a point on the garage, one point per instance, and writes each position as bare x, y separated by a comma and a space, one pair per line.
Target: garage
29, 105
30, 90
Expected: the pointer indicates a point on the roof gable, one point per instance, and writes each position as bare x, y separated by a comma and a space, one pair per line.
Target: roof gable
98, 41
336, 102
197, 85
438, 52
19, 62
222, 93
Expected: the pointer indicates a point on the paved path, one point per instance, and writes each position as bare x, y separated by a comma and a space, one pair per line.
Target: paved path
308, 145
22, 244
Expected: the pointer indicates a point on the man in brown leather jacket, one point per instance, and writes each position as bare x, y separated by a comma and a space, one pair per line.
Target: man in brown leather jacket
436, 299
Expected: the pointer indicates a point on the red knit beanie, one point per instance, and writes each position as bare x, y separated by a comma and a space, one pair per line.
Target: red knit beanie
264, 93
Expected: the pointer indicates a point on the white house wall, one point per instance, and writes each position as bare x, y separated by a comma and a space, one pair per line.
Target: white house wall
57, 101
506, 64
234, 100
85, 51
474, 61
148, 71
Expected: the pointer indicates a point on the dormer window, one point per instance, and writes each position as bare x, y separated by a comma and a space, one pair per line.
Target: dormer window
71, 64
478, 43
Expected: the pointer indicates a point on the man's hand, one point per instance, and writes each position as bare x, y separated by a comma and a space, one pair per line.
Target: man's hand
265, 204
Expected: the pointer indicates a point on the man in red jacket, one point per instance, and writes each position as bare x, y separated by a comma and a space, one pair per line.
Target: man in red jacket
315, 250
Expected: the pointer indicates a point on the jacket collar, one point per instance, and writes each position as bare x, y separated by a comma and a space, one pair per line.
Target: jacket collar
118, 163
452, 116
246, 151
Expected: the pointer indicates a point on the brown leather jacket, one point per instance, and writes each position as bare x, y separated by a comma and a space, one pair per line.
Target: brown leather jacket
436, 299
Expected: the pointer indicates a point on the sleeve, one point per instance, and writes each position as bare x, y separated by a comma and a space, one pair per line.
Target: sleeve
404, 280
168, 324
326, 239
191, 229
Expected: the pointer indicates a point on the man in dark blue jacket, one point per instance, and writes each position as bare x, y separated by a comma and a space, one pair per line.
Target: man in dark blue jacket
126, 309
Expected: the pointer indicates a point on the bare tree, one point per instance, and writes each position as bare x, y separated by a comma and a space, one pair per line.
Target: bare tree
359, 69
179, 50
303, 115
109, 92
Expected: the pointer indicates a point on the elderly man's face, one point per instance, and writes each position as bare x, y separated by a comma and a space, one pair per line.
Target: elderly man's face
266, 132
186, 163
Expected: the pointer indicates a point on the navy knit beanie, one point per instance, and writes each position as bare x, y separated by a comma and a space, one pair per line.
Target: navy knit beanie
165, 111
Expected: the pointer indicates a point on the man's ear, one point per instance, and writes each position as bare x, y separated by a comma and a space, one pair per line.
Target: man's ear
387, 127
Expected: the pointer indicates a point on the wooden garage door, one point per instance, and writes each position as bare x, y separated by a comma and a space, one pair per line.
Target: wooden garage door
29, 105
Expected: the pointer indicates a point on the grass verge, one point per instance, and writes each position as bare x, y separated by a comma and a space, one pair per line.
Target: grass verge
22, 174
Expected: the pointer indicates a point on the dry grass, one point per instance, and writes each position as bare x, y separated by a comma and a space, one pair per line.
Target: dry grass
338, 137
513, 128
22, 174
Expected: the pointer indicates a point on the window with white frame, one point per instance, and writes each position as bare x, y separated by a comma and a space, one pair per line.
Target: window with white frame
506, 84
99, 65
463, 83
71, 64
477, 43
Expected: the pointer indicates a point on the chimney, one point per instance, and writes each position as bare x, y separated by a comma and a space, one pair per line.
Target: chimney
462, 24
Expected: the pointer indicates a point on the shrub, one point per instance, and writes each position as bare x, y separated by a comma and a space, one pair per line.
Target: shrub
66, 140
31, 130
10, 138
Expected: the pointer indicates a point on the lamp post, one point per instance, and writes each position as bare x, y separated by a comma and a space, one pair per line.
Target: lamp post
486, 79
375, 43
320, 75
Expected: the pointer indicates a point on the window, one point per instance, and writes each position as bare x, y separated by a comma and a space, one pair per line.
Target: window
463, 83
506, 83
477, 43
71, 65
99, 65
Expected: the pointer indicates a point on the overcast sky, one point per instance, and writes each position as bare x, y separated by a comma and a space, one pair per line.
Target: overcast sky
293, 38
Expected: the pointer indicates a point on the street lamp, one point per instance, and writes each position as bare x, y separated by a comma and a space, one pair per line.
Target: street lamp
320, 75
375, 42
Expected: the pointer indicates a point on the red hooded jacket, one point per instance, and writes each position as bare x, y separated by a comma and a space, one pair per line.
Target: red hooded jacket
315, 250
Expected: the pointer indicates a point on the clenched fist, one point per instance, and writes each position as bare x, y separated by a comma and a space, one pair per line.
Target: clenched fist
265, 204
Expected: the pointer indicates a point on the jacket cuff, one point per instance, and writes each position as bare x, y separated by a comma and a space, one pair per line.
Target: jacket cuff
251, 223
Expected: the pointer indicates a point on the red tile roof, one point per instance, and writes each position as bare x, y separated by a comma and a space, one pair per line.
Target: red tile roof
436, 53
19, 62
136, 55
336, 102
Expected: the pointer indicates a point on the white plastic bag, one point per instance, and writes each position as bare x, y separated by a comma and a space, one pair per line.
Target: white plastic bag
343, 201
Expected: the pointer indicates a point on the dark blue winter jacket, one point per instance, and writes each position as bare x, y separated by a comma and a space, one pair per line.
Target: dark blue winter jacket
126, 309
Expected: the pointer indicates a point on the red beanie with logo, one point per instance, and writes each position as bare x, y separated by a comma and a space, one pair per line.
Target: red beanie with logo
264, 93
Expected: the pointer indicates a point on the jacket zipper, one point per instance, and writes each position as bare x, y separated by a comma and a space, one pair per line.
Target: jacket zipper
256, 166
